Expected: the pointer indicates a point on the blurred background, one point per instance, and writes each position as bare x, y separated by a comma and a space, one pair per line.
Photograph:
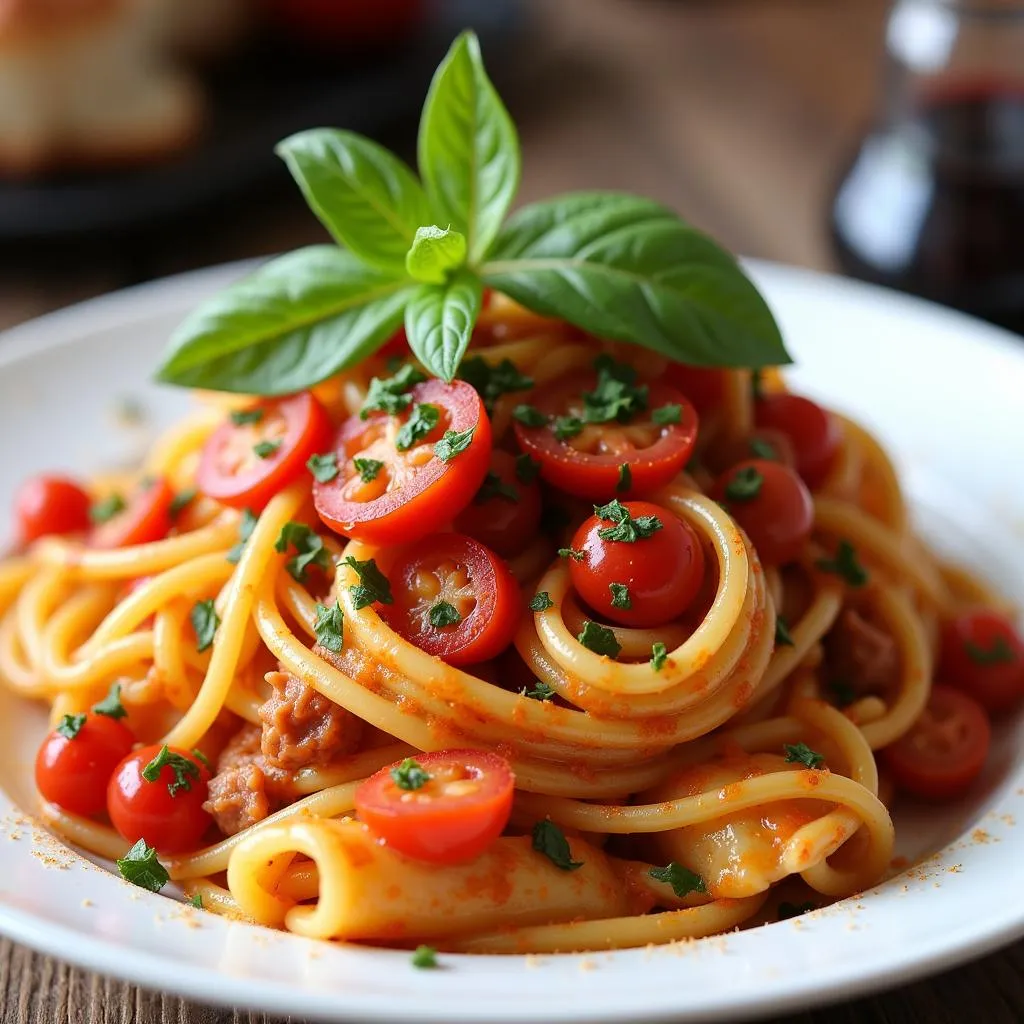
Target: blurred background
884, 140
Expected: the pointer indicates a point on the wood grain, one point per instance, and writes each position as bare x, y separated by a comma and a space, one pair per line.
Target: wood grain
737, 114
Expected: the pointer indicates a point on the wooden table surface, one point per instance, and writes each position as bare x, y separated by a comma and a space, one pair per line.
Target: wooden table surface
740, 115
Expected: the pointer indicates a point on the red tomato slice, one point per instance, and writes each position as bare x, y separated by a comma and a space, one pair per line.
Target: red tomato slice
50, 505
590, 463
411, 493
145, 518
814, 432
505, 513
73, 773
662, 573
244, 464
451, 817
459, 572
945, 750
167, 812
983, 655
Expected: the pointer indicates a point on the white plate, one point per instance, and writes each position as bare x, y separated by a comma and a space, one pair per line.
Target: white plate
942, 390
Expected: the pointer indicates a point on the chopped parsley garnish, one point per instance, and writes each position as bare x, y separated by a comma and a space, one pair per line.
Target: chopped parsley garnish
309, 549
572, 553
140, 867
998, 652
529, 416
800, 753
599, 639
410, 775
388, 394
205, 620
625, 529
550, 840
183, 768
105, 510
845, 564
841, 692
745, 484
181, 501
494, 487
245, 527
762, 449
782, 634
70, 726
616, 395
757, 384
264, 449
241, 417
659, 655
453, 443
373, 585
541, 602
329, 627
620, 595
789, 910
197, 901
491, 382
539, 691
424, 957
111, 705
323, 467
665, 415
368, 469
625, 478
567, 427
444, 614
527, 469
683, 880
421, 422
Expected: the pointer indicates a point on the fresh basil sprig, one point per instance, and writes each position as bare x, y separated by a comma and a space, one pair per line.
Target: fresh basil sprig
621, 267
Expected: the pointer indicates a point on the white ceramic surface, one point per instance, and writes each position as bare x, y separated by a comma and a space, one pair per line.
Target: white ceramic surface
945, 392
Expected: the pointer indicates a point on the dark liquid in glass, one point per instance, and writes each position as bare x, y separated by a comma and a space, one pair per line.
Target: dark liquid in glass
936, 206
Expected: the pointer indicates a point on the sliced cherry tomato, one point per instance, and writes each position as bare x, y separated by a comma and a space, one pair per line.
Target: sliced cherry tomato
772, 505
451, 816
702, 385
760, 443
662, 573
50, 504
260, 450
146, 517
945, 749
391, 496
983, 655
505, 513
73, 772
590, 462
168, 811
813, 431
454, 599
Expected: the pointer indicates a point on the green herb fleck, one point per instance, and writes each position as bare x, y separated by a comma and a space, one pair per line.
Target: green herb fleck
845, 565
309, 549
454, 443
782, 634
245, 527
620, 595
599, 639
625, 478
529, 416
800, 753
424, 957
527, 469
111, 705
841, 692
368, 469
659, 655
762, 449
388, 394
103, 511
70, 726
576, 556
550, 840
683, 880
184, 770
668, 414
205, 620
541, 602
242, 417
141, 867
264, 449
616, 395
745, 484
625, 529
373, 585
491, 382
567, 427
443, 615
423, 419
539, 691
410, 775
998, 652
329, 627
494, 487
197, 901
181, 501
323, 467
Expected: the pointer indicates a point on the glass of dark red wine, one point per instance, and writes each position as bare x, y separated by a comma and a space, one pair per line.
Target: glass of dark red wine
933, 202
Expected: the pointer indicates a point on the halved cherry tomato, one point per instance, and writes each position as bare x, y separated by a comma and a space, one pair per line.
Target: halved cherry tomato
760, 443
451, 817
455, 571
405, 494
703, 386
73, 773
590, 463
772, 505
505, 513
50, 504
662, 573
146, 517
813, 431
945, 749
244, 464
167, 812
983, 655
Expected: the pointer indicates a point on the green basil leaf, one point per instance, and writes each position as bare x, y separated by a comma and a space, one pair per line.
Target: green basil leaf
439, 321
468, 148
291, 324
367, 198
435, 252
628, 269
